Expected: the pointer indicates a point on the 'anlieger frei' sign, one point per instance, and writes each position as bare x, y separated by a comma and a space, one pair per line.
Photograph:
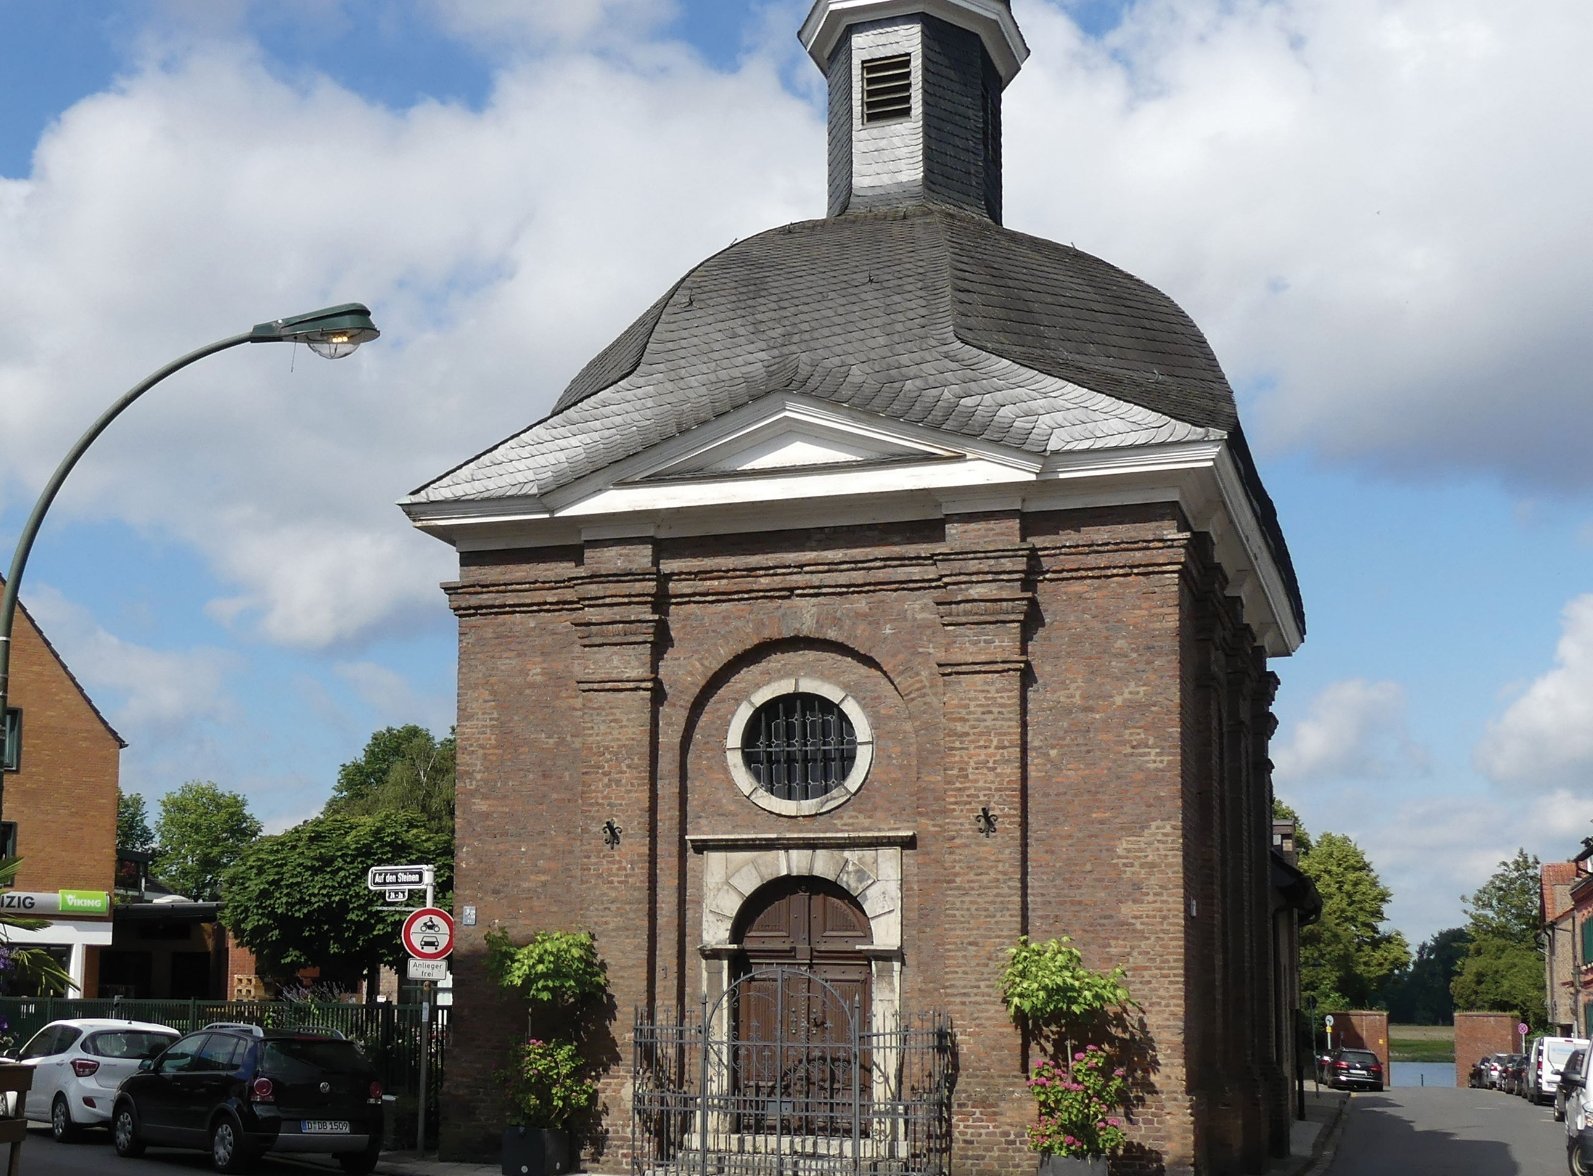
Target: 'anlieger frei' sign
55, 902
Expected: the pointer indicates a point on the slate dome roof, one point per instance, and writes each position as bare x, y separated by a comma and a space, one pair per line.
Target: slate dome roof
924, 314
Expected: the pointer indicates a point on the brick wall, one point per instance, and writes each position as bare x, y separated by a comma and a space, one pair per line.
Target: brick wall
63, 795
1480, 1034
1363, 1029
1082, 675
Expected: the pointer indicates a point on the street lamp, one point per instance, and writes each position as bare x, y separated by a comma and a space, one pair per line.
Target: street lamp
332, 333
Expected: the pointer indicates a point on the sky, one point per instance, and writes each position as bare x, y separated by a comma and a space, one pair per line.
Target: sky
1375, 209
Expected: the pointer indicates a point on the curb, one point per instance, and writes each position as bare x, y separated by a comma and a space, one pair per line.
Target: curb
1327, 1142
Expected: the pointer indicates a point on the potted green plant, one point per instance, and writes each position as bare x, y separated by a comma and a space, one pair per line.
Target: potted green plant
548, 1084
1082, 1091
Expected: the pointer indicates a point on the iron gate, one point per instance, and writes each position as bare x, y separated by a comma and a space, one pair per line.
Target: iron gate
781, 1077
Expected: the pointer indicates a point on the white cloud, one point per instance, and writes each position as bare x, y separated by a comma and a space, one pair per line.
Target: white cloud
499, 250
1544, 738
1433, 851
1373, 207
393, 698
156, 693
1353, 731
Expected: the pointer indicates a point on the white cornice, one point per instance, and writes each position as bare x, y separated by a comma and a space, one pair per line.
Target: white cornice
1201, 477
990, 19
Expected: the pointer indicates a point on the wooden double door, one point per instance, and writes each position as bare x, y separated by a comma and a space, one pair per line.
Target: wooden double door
801, 1008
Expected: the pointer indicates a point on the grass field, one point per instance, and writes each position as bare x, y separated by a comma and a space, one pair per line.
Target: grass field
1421, 1043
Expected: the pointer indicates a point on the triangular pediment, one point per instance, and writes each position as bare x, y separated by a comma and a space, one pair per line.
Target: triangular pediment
791, 440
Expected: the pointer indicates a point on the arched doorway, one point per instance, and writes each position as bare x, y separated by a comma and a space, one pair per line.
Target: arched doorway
800, 1005
811, 924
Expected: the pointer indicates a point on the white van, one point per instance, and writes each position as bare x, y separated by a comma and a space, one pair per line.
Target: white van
1542, 1078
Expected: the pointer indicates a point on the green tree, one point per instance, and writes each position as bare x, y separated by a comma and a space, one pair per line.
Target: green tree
402, 769
1506, 906
201, 832
1346, 958
1420, 995
132, 823
1499, 977
1503, 969
298, 899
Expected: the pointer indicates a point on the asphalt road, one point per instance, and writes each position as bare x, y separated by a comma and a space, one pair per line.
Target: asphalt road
1445, 1131
93, 1156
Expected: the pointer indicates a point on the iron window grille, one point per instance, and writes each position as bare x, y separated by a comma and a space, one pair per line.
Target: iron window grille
888, 88
799, 746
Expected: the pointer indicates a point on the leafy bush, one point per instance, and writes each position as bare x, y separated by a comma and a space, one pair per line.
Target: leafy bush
556, 970
546, 1086
1048, 984
1048, 989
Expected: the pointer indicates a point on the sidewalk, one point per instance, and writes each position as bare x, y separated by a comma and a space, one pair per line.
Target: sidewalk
1312, 1139
1311, 1143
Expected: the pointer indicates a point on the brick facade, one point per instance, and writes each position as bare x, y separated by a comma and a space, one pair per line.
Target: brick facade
1479, 1034
1363, 1029
62, 796
1083, 675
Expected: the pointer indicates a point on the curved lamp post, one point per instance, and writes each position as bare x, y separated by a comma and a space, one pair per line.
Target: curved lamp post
332, 333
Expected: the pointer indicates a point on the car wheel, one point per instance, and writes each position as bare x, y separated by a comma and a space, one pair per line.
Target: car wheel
61, 1125
124, 1132
1573, 1158
228, 1150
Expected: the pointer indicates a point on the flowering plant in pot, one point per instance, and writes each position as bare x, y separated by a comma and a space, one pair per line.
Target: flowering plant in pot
1080, 1099
548, 1086
548, 1081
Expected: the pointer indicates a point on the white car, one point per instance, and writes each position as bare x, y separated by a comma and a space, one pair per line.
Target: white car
1541, 1080
77, 1066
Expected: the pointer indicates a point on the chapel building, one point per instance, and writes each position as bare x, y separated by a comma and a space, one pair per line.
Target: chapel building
897, 585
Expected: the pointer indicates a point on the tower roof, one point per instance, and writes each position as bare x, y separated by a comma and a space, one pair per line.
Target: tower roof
910, 305
990, 19
927, 315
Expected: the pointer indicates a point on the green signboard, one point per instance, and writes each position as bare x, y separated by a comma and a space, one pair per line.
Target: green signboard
55, 902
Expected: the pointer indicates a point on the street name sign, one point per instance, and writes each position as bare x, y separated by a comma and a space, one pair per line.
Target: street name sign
398, 877
428, 933
428, 969
56, 902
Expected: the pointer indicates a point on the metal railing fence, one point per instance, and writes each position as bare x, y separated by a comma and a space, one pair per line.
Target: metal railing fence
392, 1036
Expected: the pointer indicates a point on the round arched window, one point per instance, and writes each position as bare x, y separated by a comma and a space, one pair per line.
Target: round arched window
799, 747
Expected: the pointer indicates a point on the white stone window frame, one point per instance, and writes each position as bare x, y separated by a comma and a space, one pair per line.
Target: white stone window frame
837, 796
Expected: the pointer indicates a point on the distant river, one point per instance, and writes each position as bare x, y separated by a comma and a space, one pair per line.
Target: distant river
1423, 1073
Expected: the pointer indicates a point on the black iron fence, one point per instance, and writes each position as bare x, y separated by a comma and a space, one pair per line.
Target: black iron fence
779, 1078
394, 1037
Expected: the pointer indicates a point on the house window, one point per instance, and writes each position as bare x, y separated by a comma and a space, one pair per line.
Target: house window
888, 88
800, 746
8, 839
11, 759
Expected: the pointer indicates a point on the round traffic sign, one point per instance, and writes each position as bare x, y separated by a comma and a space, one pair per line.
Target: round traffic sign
1523, 1028
428, 933
1328, 1020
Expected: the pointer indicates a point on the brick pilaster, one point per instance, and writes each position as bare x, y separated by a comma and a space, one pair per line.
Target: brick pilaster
618, 631
982, 659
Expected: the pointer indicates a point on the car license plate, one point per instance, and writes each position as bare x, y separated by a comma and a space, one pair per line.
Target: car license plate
1358, 1073
324, 1127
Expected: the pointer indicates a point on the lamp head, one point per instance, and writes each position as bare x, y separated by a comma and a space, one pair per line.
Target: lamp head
331, 333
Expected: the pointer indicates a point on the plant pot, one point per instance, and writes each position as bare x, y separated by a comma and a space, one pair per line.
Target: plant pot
535, 1151
1073, 1165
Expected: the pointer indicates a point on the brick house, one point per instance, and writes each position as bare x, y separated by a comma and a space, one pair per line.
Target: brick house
1560, 974
896, 585
59, 799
